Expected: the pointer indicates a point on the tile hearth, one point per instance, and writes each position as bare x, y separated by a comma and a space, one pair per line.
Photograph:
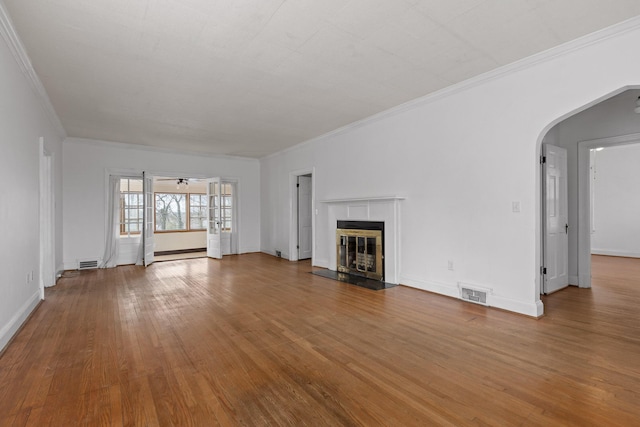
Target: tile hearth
352, 279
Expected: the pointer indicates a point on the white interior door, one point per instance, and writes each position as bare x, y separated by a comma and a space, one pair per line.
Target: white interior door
304, 217
213, 218
229, 232
148, 215
556, 248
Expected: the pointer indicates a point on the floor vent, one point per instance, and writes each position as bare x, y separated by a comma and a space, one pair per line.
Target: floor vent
476, 296
87, 264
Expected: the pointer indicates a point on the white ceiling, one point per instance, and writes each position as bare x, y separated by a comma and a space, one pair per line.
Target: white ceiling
251, 77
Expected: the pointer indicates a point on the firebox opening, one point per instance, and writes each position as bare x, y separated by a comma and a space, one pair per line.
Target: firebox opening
360, 248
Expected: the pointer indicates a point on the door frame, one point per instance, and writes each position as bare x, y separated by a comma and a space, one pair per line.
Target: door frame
47, 274
236, 181
293, 213
584, 200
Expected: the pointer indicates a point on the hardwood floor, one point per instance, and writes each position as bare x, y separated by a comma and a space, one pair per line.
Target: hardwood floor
257, 340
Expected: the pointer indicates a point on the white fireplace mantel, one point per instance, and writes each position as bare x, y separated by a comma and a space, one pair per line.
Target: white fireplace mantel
383, 208
363, 199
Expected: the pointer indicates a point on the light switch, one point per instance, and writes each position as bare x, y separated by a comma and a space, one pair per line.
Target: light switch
515, 207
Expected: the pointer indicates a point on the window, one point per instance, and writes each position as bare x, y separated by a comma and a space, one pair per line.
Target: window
197, 211
226, 207
131, 205
180, 211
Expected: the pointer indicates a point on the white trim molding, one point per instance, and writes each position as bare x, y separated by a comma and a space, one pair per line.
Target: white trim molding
142, 147
10, 329
9, 34
522, 64
584, 198
527, 308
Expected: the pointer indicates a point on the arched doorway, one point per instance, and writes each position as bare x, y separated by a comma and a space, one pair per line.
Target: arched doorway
607, 121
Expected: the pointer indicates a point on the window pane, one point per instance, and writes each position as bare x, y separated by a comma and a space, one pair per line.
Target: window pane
130, 205
171, 213
197, 224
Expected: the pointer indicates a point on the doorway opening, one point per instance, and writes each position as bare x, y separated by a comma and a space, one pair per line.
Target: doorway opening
194, 217
607, 122
302, 234
180, 218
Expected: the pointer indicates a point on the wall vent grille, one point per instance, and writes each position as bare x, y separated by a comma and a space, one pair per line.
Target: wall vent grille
473, 295
87, 264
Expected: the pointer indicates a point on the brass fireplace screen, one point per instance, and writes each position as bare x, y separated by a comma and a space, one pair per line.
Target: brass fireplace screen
360, 248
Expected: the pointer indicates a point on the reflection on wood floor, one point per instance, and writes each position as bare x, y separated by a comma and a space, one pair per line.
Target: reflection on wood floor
174, 257
257, 340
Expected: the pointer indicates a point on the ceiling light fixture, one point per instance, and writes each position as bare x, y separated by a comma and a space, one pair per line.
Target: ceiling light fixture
182, 183
637, 109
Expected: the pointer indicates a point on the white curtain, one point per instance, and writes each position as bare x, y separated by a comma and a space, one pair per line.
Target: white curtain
110, 257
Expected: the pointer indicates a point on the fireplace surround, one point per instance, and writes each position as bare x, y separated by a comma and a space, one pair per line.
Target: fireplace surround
385, 209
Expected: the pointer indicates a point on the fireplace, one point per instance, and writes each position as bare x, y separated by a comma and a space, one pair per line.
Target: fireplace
360, 248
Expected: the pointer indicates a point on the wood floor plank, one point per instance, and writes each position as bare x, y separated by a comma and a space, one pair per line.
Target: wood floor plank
255, 340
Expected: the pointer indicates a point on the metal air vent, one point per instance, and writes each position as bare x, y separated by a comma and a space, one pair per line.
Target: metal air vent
474, 295
87, 264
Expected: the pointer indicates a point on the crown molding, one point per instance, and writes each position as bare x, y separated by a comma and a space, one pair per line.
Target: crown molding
141, 147
514, 67
18, 51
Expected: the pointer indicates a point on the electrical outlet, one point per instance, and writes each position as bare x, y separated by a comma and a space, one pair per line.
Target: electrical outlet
450, 265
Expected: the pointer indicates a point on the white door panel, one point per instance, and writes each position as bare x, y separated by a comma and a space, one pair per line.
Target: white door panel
225, 243
148, 215
304, 218
556, 247
214, 249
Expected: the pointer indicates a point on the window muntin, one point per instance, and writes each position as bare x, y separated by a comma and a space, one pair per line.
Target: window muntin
180, 212
197, 211
226, 207
131, 206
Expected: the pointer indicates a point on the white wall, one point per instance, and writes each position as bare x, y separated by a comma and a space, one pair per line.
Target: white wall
460, 157
23, 120
85, 169
612, 117
616, 197
179, 241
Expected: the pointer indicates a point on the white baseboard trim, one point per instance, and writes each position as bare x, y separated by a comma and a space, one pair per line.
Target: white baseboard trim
450, 290
273, 253
609, 252
9, 330
249, 250
324, 263
574, 280
533, 308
